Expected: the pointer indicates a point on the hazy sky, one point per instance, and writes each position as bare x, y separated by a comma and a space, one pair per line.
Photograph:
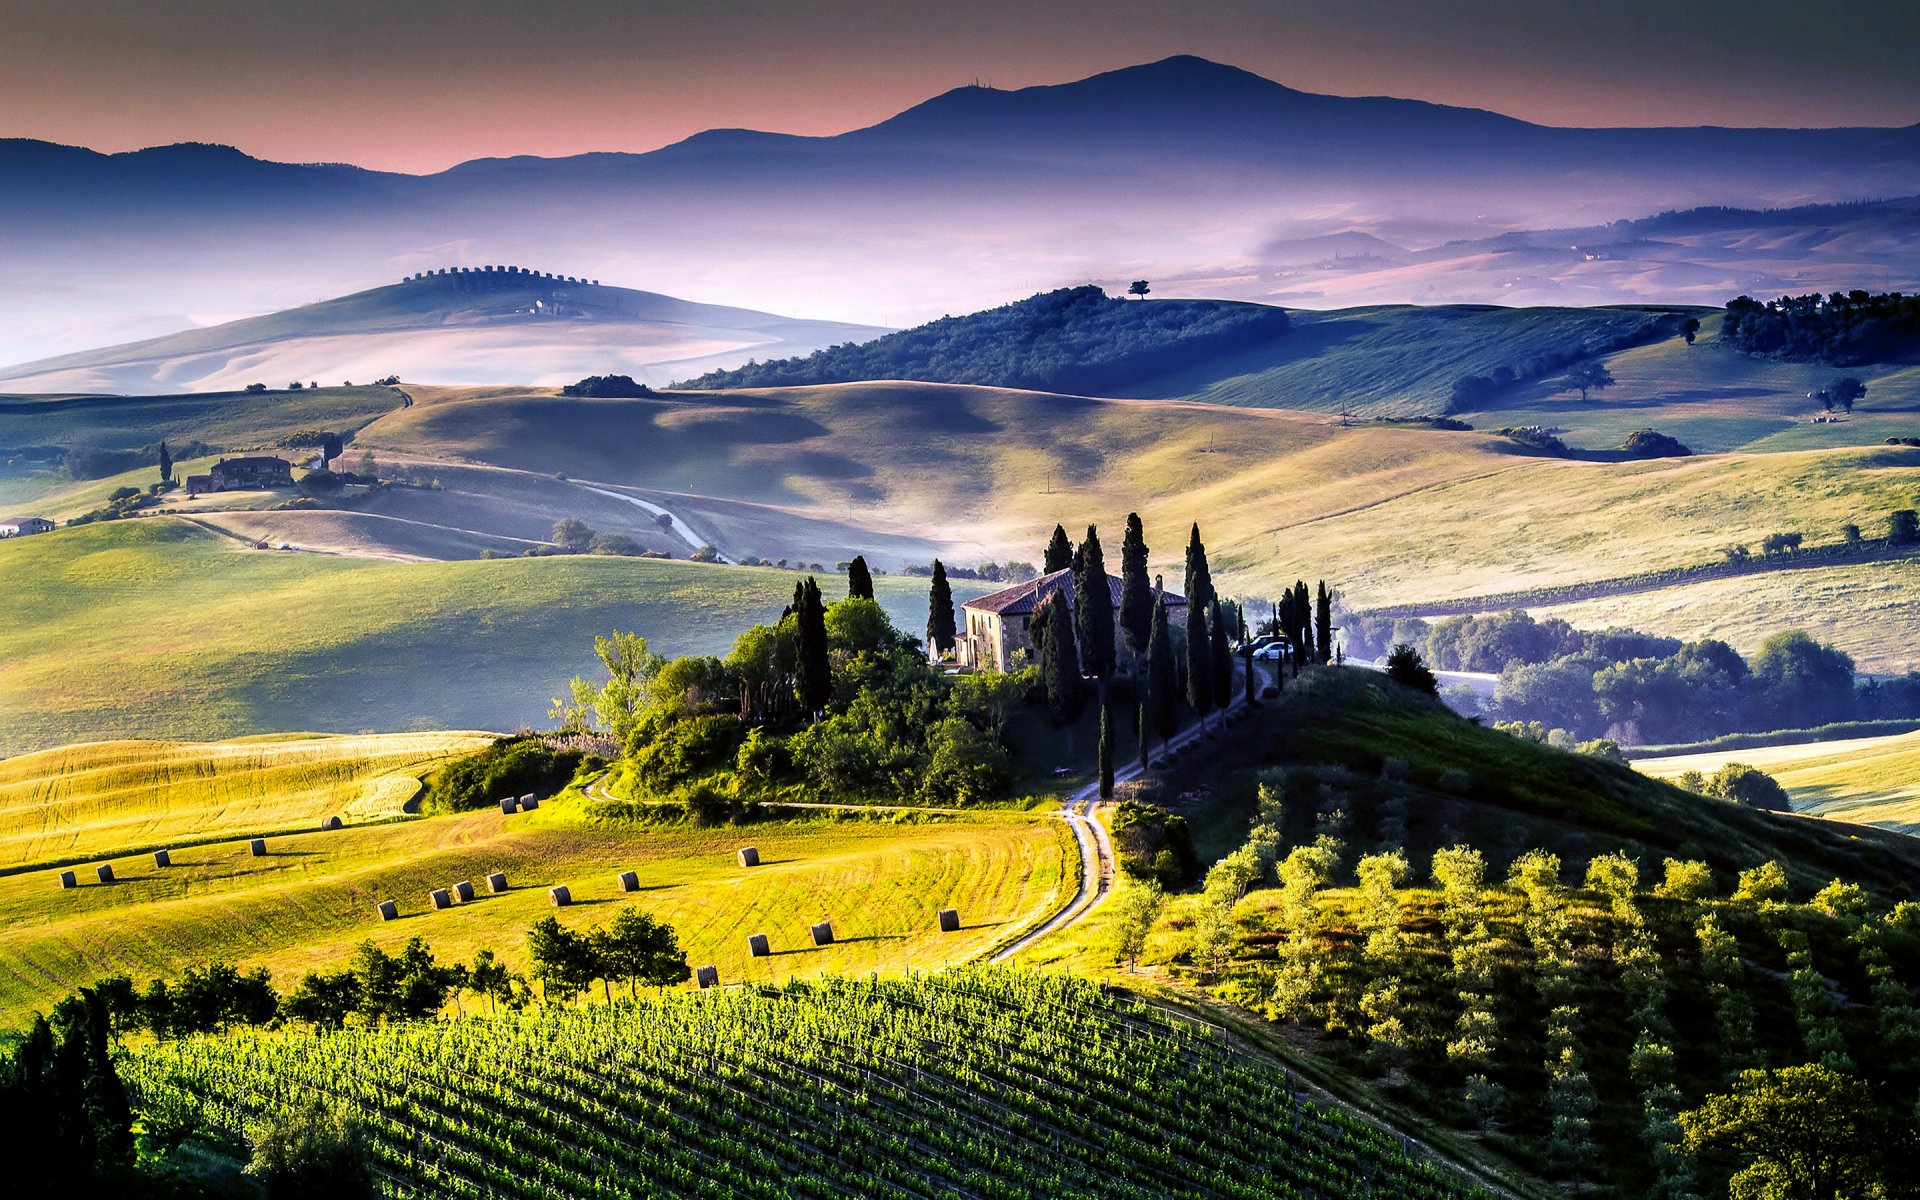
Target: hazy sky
420, 84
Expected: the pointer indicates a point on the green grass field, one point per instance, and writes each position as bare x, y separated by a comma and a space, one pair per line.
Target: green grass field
109, 797
157, 628
1872, 780
312, 899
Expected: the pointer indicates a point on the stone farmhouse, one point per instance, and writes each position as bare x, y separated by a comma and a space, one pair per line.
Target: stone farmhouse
993, 631
241, 474
24, 526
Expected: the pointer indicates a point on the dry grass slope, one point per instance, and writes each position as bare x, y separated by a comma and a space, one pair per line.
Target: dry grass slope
1874, 781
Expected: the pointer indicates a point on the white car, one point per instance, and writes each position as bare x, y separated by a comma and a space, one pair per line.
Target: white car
1275, 652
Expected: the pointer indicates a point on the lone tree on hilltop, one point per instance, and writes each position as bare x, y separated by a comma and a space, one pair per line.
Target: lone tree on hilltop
1093, 607
859, 579
1138, 288
1590, 376
1846, 391
940, 624
1059, 554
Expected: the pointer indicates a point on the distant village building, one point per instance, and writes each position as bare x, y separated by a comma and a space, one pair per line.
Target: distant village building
24, 526
994, 628
243, 474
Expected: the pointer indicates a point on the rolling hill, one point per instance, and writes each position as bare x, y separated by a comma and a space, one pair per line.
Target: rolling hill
159, 628
484, 325
998, 193
1873, 780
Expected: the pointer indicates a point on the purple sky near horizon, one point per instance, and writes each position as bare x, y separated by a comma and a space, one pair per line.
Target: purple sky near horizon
422, 84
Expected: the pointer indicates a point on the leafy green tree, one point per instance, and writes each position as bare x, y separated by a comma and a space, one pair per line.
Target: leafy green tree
941, 628
312, 1152
1750, 786
859, 579
1163, 680
1404, 667
324, 999
1059, 658
1093, 608
1138, 289
1136, 590
490, 977
1690, 329
618, 703
1903, 527
561, 961
1059, 553
1589, 376
636, 948
572, 535
1803, 1133
1136, 907
816, 674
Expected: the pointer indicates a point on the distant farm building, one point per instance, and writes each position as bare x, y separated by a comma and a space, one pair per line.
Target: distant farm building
24, 526
243, 474
994, 632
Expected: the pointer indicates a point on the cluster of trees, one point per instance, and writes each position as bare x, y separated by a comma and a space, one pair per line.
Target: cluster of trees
1842, 329
524, 763
829, 697
1071, 340
606, 387
1624, 685
571, 535
991, 572
1651, 443
98, 462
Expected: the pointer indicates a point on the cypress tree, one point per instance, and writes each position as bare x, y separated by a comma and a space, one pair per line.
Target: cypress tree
1136, 593
940, 624
816, 677
1059, 660
1093, 607
1140, 724
1303, 612
1246, 667
1199, 579
166, 464
1220, 664
1163, 684
1106, 750
1199, 662
859, 579
1323, 617
1059, 554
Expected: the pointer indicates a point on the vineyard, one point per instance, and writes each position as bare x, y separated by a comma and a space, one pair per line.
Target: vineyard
976, 1081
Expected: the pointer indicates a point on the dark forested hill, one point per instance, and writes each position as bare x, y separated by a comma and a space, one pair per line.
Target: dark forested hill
1072, 340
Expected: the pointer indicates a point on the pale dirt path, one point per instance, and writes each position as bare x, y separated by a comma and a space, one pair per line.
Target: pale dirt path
680, 528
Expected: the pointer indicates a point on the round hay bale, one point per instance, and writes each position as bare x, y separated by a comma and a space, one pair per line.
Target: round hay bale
497, 882
526, 797
464, 890
388, 910
68, 880
629, 882
749, 856
509, 806
258, 847
105, 872
560, 896
163, 858
757, 946
529, 803
440, 898
949, 920
706, 977
823, 933
332, 823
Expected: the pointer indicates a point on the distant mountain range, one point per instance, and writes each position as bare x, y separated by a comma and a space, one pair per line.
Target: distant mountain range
494, 325
1181, 168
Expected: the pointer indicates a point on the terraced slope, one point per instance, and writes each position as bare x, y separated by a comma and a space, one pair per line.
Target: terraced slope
981, 1082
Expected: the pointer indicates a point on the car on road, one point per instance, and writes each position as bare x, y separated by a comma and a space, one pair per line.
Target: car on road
1276, 652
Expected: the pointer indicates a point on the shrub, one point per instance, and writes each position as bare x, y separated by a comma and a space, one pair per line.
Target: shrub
1405, 667
669, 757
511, 766
1651, 443
312, 1152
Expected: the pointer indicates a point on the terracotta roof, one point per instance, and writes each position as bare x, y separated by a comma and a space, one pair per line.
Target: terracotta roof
1022, 598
